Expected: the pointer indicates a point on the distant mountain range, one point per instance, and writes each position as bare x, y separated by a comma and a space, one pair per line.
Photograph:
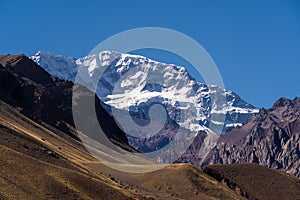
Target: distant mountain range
42, 156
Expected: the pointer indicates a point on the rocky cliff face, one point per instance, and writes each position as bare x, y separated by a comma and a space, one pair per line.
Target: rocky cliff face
271, 138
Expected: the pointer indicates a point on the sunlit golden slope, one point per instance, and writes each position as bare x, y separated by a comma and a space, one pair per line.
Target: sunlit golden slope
38, 162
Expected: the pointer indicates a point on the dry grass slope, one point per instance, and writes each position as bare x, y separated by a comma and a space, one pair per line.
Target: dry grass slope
40, 162
256, 182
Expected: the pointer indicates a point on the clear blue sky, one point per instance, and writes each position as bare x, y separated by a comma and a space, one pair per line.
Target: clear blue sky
255, 44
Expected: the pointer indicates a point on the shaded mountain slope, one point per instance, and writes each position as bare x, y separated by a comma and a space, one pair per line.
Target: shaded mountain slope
44, 98
176, 181
256, 182
37, 163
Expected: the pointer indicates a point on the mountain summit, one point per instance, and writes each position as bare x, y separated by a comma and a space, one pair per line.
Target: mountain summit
138, 91
123, 89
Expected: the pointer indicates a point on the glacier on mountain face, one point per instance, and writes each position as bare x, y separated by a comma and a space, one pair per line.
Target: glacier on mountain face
133, 84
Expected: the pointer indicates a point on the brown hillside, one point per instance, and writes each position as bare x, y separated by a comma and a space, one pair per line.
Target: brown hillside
256, 182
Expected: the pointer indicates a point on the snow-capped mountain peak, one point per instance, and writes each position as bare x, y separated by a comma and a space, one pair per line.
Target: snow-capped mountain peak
133, 84
65, 67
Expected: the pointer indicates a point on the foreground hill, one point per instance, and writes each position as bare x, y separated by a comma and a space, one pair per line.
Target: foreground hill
256, 182
37, 163
40, 162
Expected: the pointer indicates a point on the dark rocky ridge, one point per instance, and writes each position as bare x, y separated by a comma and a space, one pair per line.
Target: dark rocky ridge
271, 139
44, 98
